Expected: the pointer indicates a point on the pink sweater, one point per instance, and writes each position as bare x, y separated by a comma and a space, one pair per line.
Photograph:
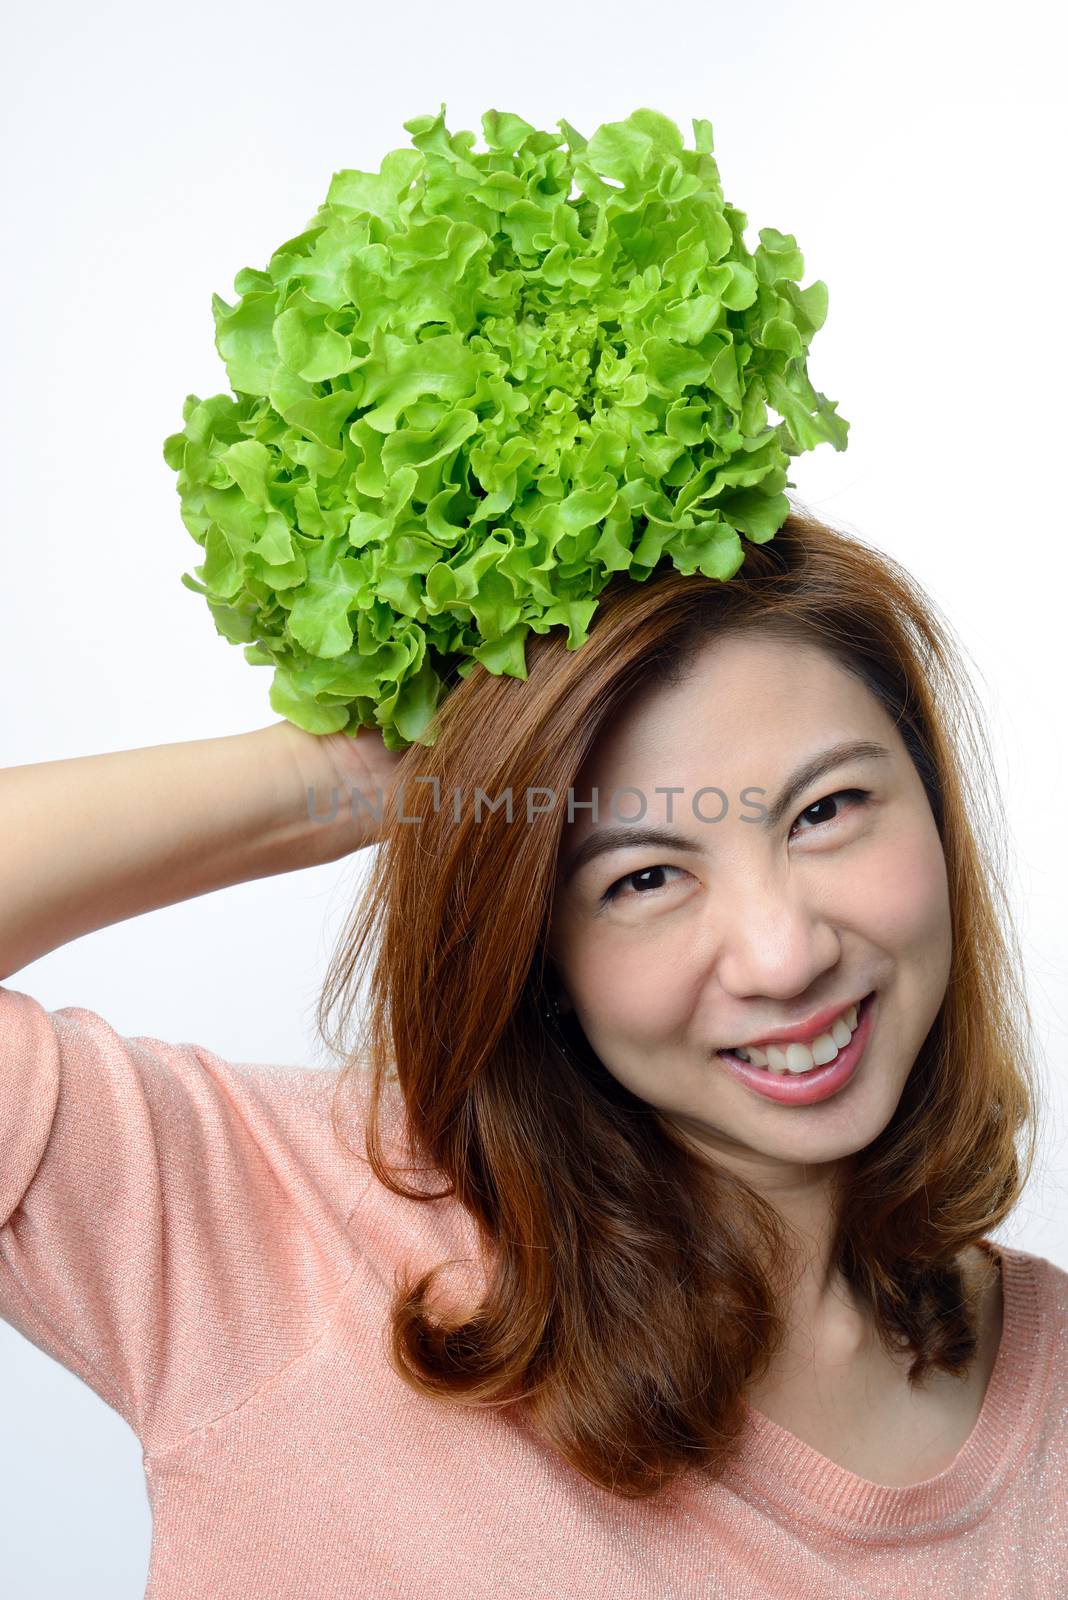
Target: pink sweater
186, 1235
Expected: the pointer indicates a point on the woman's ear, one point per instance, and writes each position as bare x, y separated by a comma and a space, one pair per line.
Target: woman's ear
555, 988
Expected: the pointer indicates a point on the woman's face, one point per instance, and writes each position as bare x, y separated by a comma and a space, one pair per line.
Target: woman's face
672, 952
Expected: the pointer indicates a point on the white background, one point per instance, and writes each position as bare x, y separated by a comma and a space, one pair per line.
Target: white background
917, 153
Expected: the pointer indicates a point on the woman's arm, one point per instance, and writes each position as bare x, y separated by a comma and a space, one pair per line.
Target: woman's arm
95, 839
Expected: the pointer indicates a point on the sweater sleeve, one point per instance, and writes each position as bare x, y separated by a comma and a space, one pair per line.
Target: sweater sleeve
173, 1227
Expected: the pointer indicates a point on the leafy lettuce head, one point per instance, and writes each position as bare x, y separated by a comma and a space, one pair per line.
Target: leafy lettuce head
477, 385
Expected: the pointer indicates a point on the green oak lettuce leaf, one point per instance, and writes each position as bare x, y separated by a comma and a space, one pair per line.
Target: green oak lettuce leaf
476, 385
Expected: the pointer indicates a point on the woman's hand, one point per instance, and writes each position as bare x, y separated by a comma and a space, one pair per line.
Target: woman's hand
347, 780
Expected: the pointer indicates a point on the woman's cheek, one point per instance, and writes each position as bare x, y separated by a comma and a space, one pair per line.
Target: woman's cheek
906, 890
630, 994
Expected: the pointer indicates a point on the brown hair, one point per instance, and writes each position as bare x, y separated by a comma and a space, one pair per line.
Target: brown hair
634, 1286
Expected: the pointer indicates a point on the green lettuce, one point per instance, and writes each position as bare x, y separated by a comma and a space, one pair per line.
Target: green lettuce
473, 388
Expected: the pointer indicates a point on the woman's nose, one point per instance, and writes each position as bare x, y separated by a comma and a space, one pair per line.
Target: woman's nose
765, 936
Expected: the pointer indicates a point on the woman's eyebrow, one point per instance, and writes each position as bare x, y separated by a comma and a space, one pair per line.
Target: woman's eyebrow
627, 836
836, 755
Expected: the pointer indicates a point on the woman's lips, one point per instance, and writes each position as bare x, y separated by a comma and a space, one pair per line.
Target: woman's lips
807, 1088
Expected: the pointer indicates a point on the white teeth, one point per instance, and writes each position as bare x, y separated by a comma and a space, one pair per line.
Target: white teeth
841, 1032
803, 1057
824, 1049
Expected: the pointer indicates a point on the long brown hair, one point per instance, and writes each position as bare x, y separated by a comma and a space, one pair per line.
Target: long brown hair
634, 1288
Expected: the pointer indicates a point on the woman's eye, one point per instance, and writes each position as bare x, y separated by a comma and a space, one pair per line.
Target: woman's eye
633, 877
833, 800
819, 814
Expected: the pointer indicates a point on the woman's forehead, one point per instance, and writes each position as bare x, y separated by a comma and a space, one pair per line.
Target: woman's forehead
740, 698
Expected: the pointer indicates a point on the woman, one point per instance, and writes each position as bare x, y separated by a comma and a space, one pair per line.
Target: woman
712, 1094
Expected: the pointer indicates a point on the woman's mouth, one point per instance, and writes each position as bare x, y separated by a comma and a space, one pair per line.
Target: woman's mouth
811, 1084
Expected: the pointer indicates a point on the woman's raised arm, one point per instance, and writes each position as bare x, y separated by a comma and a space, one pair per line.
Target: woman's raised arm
92, 840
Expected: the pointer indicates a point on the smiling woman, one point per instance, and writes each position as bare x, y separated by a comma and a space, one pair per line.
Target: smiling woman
774, 840
719, 1086
773, 926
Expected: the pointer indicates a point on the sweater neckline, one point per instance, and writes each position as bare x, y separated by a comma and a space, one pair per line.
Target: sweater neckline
792, 1481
